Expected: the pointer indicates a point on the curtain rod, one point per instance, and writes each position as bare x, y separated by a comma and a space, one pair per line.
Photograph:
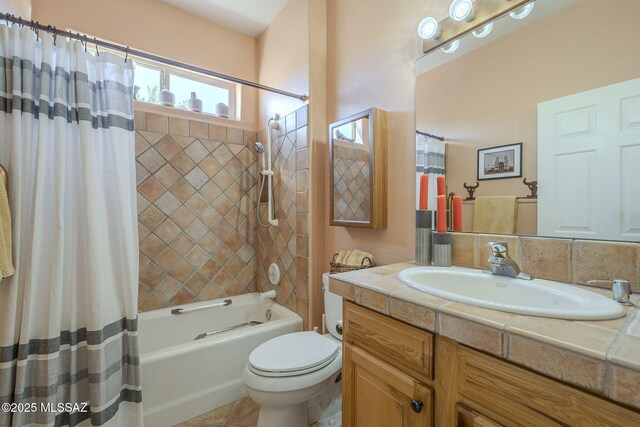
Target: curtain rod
34, 25
439, 138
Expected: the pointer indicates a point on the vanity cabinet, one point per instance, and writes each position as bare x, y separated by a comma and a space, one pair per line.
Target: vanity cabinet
465, 417
385, 366
377, 394
395, 374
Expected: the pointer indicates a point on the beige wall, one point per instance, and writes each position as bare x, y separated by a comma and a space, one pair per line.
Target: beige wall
372, 47
489, 97
16, 7
283, 60
162, 29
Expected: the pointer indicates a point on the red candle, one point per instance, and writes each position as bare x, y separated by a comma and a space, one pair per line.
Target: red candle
457, 213
442, 213
424, 189
442, 188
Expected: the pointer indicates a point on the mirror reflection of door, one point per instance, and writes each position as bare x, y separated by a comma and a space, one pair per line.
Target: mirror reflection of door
589, 164
488, 94
351, 171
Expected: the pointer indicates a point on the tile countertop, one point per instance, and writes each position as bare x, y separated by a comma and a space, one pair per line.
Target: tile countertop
601, 356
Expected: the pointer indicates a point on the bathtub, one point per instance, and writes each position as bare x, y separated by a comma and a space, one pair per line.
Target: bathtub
183, 377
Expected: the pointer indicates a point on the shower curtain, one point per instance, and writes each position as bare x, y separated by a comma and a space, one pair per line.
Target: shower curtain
68, 317
430, 160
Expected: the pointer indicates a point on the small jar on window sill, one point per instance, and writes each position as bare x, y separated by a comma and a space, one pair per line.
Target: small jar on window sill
167, 98
194, 104
222, 110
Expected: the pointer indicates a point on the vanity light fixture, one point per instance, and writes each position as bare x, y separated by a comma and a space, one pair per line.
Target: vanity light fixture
523, 11
462, 10
429, 29
484, 31
451, 47
475, 17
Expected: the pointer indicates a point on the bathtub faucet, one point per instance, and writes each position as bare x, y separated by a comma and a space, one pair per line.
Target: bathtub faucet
268, 295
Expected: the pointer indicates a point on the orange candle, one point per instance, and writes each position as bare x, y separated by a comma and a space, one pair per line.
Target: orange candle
442, 188
424, 189
442, 213
457, 213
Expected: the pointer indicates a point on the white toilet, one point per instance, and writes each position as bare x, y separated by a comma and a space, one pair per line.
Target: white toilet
286, 372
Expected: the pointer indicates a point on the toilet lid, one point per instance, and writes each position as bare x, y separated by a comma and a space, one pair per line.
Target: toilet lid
293, 354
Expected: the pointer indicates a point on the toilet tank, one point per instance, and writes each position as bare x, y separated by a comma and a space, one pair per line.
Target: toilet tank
332, 309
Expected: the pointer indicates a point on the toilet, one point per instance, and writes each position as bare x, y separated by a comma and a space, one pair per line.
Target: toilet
285, 373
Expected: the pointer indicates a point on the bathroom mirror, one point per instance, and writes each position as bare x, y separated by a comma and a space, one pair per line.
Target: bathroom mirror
565, 83
357, 170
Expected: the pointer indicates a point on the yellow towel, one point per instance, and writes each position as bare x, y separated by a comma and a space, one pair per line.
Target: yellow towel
357, 257
6, 266
495, 214
340, 257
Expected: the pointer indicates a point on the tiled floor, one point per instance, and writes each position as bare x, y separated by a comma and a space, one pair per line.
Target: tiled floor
241, 413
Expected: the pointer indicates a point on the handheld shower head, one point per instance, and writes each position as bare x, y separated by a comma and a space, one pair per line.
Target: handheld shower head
260, 150
273, 122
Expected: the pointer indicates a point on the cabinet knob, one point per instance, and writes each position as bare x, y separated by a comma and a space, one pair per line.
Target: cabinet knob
417, 405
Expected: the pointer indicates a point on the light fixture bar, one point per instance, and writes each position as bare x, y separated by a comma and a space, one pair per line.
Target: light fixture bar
486, 11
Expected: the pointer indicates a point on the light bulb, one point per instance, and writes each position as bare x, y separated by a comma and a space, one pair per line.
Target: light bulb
523, 11
429, 29
462, 10
484, 31
451, 47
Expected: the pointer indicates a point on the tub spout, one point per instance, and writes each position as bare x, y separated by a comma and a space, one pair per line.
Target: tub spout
268, 295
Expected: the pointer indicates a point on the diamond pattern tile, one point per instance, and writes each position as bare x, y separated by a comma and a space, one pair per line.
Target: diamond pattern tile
151, 160
197, 151
167, 147
197, 212
352, 184
197, 178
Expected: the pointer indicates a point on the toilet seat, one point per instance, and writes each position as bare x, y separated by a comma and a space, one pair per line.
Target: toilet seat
293, 354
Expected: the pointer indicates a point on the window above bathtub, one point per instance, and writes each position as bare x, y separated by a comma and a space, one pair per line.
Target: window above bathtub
152, 77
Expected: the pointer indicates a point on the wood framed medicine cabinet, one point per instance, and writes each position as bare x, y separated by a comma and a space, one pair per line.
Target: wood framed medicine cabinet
358, 170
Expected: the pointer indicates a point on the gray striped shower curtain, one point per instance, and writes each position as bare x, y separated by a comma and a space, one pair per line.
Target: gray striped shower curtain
68, 316
430, 160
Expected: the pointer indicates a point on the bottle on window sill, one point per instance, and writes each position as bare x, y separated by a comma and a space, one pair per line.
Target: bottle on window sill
194, 104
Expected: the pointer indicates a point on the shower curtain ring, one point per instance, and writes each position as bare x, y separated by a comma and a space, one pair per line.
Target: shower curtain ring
55, 35
95, 41
20, 21
126, 55
85, 43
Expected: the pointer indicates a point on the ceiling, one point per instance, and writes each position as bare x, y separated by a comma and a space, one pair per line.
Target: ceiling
250, 17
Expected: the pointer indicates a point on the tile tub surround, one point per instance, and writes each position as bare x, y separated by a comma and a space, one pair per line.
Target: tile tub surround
600, 356
288, 244
196, 210
562, 260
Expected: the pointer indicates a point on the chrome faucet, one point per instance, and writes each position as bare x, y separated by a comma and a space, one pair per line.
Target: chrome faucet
502, 264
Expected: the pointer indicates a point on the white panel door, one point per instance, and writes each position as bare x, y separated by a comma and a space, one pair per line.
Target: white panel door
589, 164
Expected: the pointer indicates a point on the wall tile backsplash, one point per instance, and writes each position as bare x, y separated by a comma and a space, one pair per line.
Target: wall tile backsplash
196, 210
564, 260
288, 244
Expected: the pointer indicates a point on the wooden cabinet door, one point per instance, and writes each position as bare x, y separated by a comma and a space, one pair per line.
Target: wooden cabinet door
375, 394
468, 418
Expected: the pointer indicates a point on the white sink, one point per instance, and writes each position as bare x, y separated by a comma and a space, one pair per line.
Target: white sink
535, 297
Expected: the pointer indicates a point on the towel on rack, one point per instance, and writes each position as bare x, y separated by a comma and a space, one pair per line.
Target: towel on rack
6, 265
495, 214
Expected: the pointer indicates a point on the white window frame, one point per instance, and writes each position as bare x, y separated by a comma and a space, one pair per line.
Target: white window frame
167, 71
211, 81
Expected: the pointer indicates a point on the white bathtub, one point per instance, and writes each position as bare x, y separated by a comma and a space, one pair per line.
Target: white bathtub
183, 377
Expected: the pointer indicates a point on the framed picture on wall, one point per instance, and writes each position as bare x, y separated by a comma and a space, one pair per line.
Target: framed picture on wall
504, 161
